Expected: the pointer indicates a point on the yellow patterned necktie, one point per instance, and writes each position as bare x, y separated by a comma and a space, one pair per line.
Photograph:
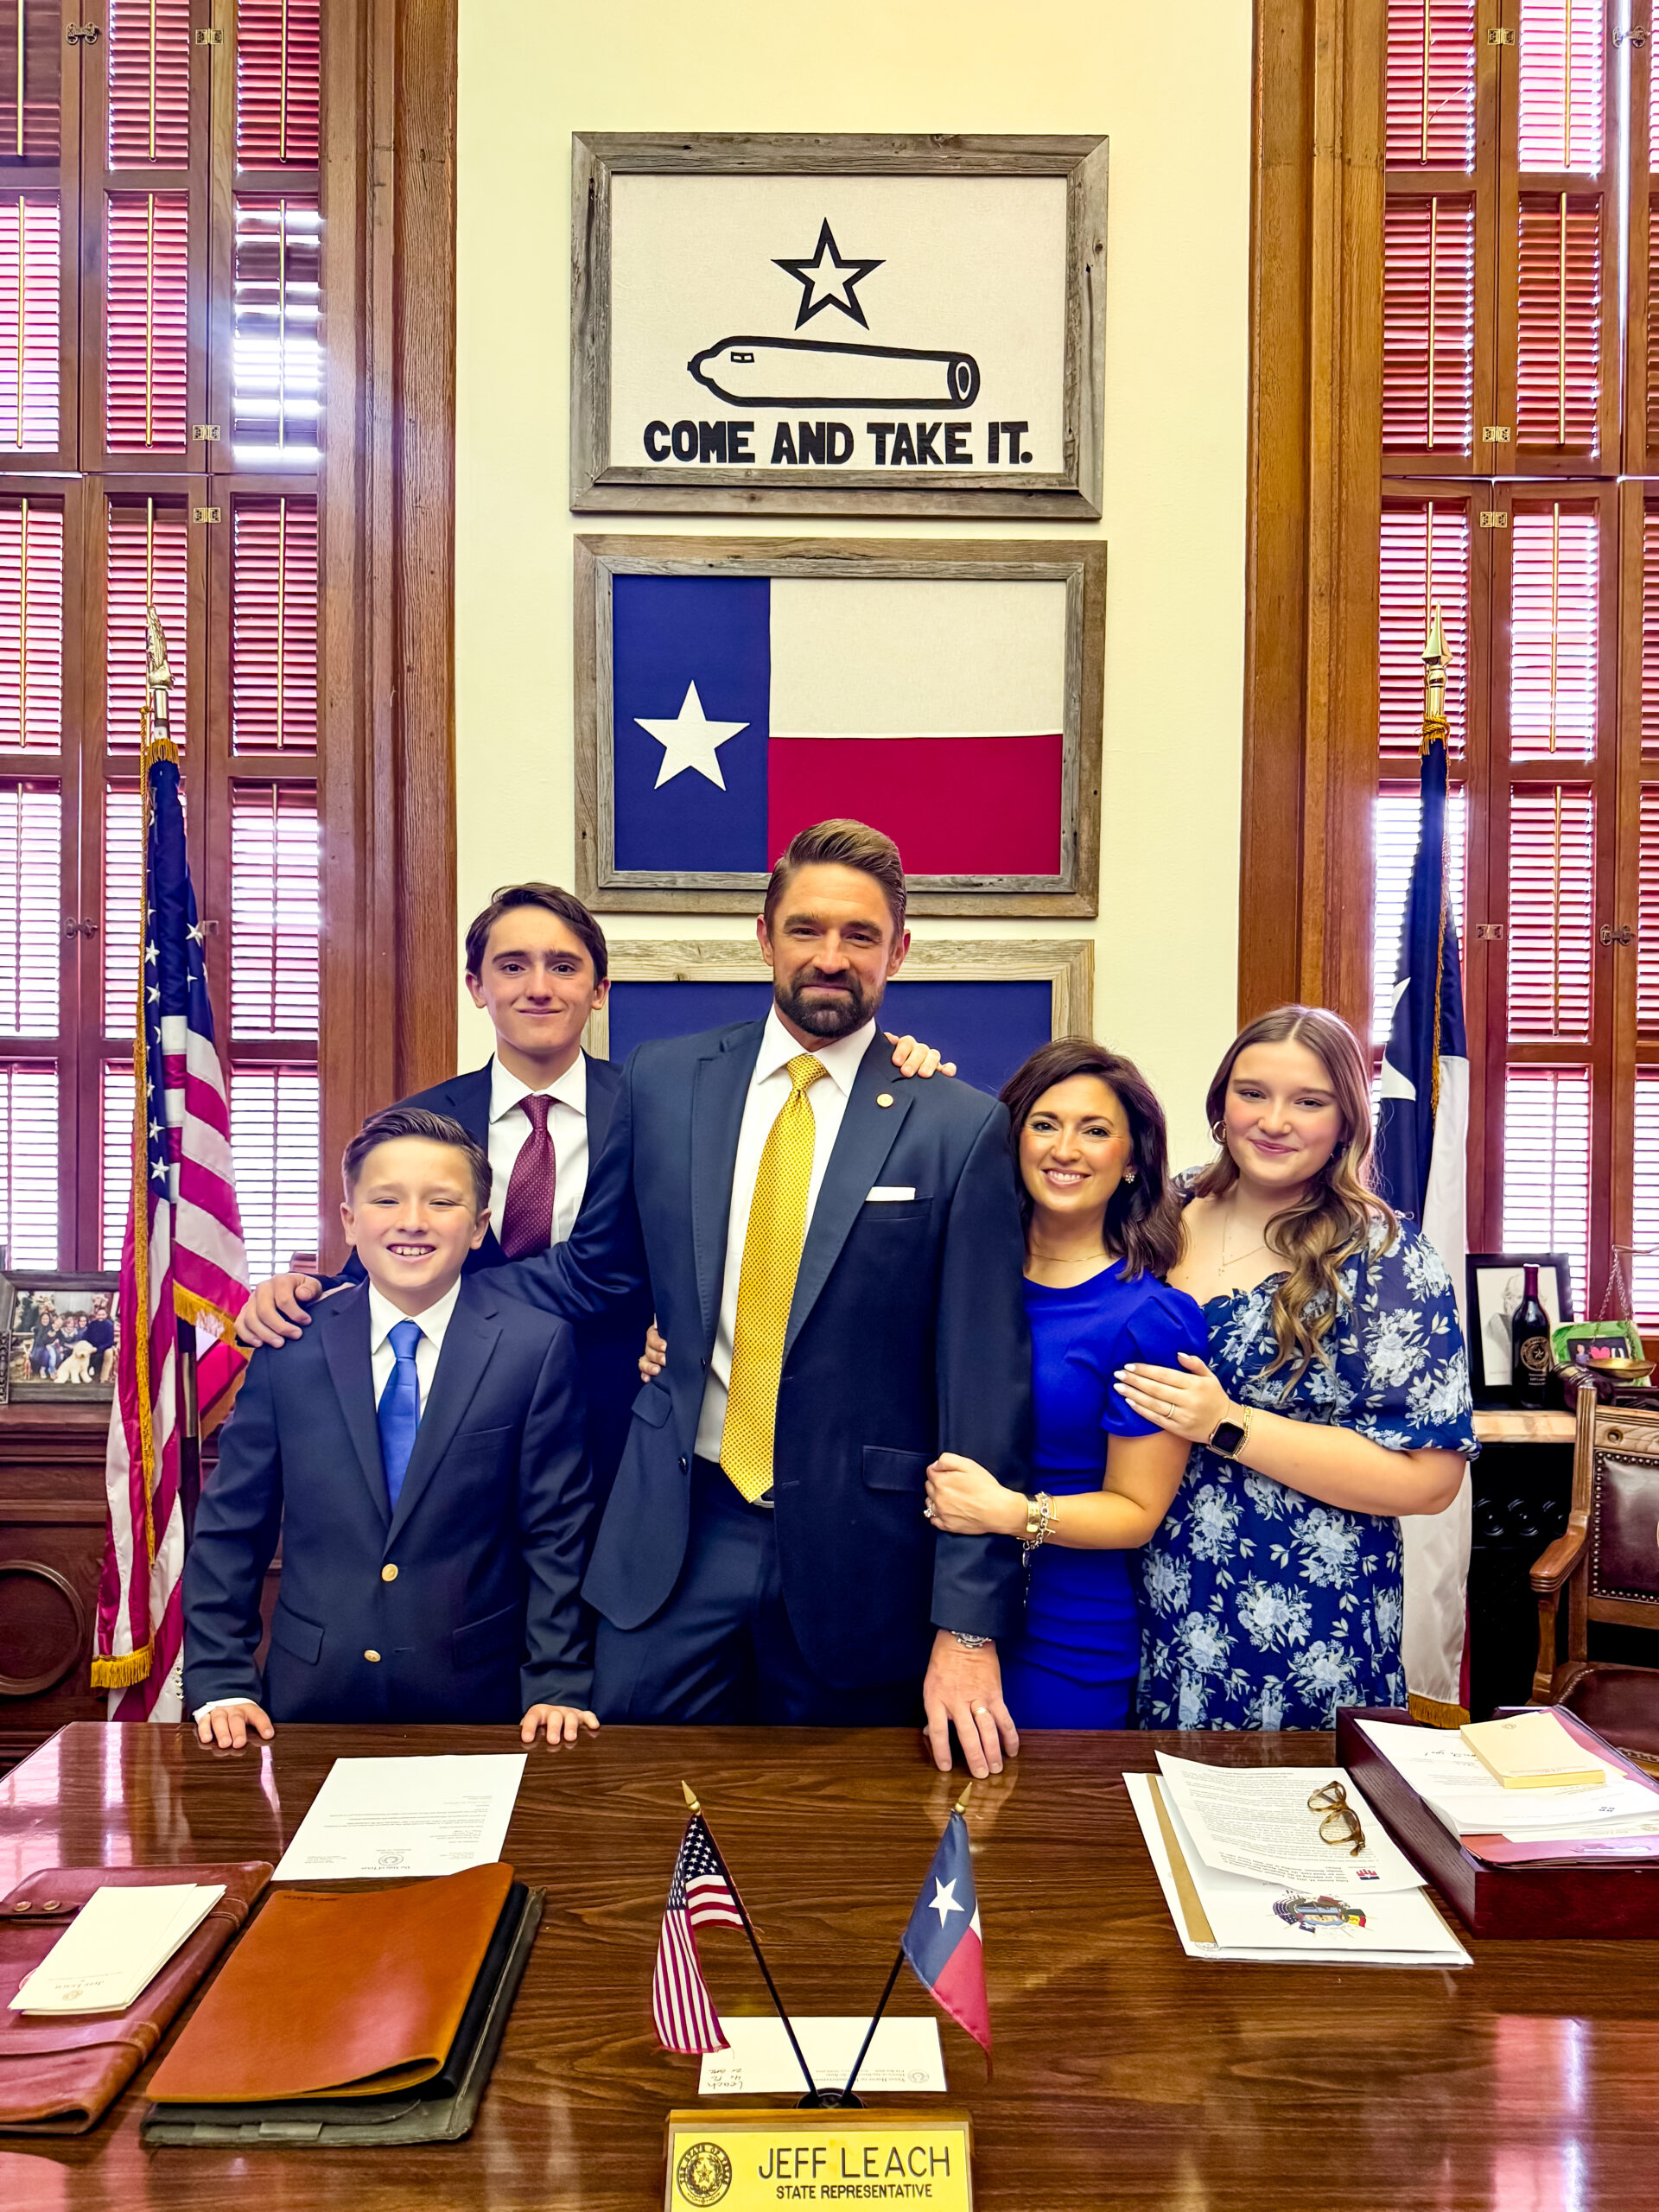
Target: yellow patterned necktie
765, 1284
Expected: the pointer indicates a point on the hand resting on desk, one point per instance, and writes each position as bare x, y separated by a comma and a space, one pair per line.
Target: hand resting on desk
228, 1726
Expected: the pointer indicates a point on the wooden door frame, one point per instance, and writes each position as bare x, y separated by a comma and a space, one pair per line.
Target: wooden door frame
386, 765
1314, 496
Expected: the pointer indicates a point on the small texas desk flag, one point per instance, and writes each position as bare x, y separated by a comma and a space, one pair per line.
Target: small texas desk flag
747, 707
942, 1939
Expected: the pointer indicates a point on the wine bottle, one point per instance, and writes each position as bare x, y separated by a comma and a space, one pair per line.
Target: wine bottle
1529, 1352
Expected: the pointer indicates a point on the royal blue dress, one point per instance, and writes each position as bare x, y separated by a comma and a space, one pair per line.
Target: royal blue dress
1264, 1608
1074, 1667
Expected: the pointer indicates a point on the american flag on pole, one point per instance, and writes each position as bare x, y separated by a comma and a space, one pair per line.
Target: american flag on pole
182, 1259
700, 1895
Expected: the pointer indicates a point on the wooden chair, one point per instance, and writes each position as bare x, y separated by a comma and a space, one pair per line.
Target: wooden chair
1607, 1567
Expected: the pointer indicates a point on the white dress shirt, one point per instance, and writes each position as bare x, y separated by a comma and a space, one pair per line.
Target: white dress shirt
566, 1125
383, 1316
768, 1089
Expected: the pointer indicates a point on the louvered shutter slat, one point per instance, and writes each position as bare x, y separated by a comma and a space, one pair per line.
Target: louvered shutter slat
1644, 1214
1650, 628
275, 911
1394, 820
277, 354
30, 1153
278, 84
1558, 341
1546, 1165
275, 1133
30, 299
31, 625
1562, 84
1552, 912
147, 322
1429, 324
30, 859
116, 1161
274, 626
149, 84
1431, 84
1554, 632
31, 128
1425, 558
148, 564
124, 862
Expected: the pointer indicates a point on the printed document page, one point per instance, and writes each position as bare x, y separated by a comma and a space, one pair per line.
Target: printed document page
1461, 1793
375, 1817
906, 2055
114, 1947
1256, 1821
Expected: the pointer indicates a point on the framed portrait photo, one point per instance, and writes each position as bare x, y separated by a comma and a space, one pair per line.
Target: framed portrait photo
986, 1005
1496, 1280
732, 691
61, 1338
833, 324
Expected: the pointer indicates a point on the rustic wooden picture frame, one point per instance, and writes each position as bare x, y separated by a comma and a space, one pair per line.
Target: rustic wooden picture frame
602, 482
1074, 890
1065, 965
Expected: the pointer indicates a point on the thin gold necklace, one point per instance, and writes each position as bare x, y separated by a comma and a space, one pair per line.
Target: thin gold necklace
1064, 1259
1224, 1262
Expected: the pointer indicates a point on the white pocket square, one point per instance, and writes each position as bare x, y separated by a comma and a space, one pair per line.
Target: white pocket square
890, 1193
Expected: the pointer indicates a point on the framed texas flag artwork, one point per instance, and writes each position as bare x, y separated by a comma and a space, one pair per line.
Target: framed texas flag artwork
837, 323
730, 692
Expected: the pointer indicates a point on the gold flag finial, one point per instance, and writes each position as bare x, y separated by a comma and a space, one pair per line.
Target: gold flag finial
1435, 681
961, 1805
690, 1797
158, 683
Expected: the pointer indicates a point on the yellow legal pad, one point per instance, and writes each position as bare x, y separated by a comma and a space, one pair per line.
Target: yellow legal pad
1531, 1751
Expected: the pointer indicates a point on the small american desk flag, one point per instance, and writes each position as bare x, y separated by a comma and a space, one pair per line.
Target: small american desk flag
700, 1895
182, 1260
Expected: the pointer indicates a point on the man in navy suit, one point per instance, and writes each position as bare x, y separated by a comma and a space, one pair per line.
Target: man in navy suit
421, 1452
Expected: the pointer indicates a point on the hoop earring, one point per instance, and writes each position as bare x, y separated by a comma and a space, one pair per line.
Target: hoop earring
1217, 1134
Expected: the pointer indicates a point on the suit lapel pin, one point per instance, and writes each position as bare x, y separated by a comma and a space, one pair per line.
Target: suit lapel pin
885, 1098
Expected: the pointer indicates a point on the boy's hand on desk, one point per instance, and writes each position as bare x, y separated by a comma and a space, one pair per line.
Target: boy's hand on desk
227, 1725
563, 1723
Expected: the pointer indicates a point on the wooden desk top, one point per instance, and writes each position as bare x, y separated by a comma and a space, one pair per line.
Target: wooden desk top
1126, 2074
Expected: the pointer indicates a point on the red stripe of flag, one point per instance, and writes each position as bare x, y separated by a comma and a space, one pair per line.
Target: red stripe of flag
953, 805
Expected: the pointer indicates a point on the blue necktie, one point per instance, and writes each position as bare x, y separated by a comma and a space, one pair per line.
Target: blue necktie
400, 1407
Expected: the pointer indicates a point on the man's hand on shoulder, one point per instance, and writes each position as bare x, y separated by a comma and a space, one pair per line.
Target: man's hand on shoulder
227, 1728
276, 1310
563, 1723
963, 1690
911, 1057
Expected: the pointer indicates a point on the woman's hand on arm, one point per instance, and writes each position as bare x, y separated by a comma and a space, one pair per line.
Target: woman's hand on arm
1338, 1466
965, 1499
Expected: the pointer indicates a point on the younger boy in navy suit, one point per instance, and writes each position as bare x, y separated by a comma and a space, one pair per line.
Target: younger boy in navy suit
421, 1452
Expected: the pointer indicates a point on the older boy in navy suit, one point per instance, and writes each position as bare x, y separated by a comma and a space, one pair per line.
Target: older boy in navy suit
421, 1452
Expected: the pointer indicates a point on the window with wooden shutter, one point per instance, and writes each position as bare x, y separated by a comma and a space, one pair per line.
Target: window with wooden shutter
1644, 1218
161, 386
1546, 1166
1425, 562
1394, 845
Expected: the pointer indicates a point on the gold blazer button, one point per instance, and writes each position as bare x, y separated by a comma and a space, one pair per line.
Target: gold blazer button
374, 1657
388, 1573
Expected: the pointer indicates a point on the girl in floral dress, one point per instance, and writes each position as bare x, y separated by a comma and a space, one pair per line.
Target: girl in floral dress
1335, 1399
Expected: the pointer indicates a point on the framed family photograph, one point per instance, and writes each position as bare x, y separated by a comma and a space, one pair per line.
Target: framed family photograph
985, 1004
837, 324
732, 691
1496, 1280
61, 1336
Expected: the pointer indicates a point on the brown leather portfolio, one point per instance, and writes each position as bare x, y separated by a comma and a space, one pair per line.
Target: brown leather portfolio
339, 1996
59, 2076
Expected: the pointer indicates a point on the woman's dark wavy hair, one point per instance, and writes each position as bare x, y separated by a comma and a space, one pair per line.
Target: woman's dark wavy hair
1143, 1218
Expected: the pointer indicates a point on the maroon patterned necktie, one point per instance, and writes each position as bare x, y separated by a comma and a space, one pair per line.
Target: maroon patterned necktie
527, 1217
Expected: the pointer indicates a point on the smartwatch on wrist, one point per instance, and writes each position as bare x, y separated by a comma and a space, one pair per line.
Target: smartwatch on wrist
1226, 1438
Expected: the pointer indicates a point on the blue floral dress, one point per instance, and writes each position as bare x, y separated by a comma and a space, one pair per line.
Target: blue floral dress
1262, 1608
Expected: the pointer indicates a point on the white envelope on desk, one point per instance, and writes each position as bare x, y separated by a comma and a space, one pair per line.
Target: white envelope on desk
889, 1193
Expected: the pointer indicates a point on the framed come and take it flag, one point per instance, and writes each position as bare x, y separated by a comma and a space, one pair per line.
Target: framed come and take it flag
730, 692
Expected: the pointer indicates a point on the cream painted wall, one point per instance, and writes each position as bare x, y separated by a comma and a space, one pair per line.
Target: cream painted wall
1178, 117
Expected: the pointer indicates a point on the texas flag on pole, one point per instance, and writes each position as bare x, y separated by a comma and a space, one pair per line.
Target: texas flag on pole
942, 1941
747, 708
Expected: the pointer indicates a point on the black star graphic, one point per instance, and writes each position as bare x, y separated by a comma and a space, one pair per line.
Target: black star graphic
828, 287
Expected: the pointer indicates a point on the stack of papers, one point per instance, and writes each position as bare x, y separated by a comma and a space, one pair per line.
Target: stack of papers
1246, 1875
375, 1820
114, 1947
1461, 1793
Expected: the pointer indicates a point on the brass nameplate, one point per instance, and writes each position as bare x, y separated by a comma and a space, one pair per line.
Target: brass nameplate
754, 2155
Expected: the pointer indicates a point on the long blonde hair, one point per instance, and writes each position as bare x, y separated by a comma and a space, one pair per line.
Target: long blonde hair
1339, 1212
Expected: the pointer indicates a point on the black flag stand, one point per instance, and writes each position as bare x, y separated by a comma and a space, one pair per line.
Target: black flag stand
846, 2096
815, 2096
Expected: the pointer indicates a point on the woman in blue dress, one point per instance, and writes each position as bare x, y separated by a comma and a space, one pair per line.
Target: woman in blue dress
1335, 1399
1101, 1228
